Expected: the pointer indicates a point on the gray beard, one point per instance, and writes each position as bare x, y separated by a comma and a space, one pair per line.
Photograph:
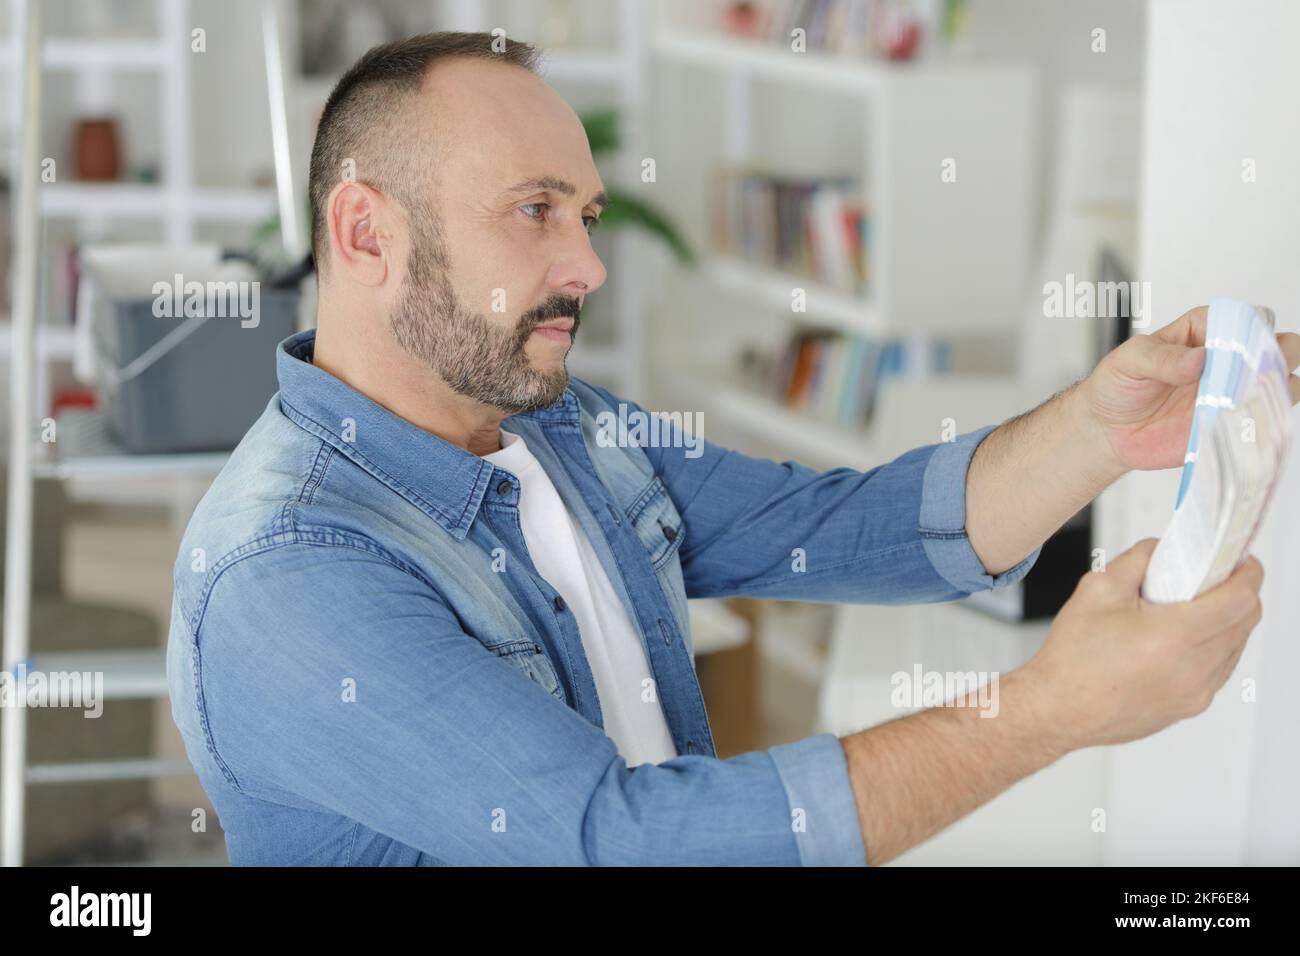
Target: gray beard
474, 356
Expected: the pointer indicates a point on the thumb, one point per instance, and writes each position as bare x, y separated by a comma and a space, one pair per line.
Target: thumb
1165, 362
1127, 571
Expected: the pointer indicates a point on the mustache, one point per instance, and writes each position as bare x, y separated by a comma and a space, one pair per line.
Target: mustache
556, 307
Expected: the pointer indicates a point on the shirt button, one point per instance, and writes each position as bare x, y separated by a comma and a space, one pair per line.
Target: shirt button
537, 648
669, 533
559, 603
503, 488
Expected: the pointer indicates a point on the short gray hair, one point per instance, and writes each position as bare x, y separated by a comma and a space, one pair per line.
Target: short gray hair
363, 118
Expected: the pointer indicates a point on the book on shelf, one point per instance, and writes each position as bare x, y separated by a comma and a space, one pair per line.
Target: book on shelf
808, 227
883, 29
836, 378
60, 273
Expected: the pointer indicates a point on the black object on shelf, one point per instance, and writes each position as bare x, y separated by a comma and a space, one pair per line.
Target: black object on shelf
1065, 558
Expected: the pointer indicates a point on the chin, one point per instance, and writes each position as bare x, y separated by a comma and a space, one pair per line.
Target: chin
543, 397
549, 360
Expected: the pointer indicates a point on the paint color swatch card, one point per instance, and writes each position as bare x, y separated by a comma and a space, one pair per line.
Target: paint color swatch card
1239, 438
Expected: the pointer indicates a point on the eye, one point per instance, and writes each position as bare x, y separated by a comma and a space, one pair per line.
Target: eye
536, 211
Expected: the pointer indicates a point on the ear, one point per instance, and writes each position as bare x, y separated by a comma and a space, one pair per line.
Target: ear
355, 219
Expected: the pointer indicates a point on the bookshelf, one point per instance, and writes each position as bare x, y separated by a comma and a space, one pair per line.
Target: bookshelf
175, 205
914, 116
770, 289
932, 271
752, 415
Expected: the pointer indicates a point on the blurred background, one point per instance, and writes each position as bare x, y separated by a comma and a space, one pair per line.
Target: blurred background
835, 226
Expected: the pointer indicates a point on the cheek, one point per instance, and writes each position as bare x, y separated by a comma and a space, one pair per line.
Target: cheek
502, 296
501, 305
498, 270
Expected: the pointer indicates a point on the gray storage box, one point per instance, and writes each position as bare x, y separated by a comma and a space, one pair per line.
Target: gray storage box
202, 393
186, 383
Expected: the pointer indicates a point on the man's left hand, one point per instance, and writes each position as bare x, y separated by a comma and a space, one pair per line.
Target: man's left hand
1142, 395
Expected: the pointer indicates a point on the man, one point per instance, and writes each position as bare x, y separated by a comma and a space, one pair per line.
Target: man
426, 615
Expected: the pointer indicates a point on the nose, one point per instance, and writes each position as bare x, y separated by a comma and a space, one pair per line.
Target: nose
578, 270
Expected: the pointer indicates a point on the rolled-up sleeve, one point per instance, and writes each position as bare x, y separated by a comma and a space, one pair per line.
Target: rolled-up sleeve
822, 805
943, 519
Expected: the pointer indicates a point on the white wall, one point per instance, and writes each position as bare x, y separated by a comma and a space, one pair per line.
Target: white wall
1056, 37
1223, 85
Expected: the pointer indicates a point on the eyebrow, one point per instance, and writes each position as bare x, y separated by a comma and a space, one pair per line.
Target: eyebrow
555, 184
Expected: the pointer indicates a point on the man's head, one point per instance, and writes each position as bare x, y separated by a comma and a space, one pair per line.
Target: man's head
452, 196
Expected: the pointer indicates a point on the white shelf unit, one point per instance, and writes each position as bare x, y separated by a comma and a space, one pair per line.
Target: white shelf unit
176, 202
621, 70
933, 264
96, 771
178, 205
128, 674
76, 53
770, 289
86, 450
916, 116
54, 342
149, 201
785, 430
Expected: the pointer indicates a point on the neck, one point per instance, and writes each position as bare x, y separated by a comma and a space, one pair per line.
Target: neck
396, 381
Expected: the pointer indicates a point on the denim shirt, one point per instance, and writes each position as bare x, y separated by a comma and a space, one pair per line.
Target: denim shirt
367, 669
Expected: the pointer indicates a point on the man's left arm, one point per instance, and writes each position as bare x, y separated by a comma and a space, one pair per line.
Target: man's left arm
760, 528
941, 521
1031, 474
1133, 412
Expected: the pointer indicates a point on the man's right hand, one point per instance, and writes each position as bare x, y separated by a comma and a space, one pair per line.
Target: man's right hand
1116, 667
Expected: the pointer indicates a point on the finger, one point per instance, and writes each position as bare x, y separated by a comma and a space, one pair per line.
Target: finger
1127, 571
1227, 603
1162, 361
1234, 658
1229, 644
1188, 329
1289, 343
1234, 645
1225, 670
1293, 385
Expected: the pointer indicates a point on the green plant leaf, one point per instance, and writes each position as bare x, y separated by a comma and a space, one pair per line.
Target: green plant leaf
602, 128
626, 210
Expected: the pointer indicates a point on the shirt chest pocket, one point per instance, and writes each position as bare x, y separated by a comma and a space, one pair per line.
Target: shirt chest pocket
659, 526
529, 657
657, 523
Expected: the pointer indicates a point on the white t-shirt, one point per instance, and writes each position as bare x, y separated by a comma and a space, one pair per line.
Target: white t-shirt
565, 558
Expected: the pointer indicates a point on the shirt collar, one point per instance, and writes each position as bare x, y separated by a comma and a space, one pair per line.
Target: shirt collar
443, 480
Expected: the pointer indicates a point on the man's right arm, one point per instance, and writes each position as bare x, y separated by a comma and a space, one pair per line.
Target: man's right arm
331, 674
1114, 668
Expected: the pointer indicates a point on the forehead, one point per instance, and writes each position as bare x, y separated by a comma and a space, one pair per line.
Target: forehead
497, 124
